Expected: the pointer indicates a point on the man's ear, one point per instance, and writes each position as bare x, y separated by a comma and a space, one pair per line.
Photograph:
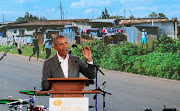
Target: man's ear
55, 47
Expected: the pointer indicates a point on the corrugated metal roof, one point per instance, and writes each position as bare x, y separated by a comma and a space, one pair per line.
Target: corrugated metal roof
44, 23
48, 22
2, 26
6, 22
103, 20
137, 21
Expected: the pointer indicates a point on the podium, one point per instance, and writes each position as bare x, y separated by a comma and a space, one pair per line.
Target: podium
68, 87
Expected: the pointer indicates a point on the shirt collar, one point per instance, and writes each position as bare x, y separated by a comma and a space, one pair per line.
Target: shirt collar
60, 58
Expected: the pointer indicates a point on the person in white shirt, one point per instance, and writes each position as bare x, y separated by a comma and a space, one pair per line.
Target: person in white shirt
64, 65
144, 37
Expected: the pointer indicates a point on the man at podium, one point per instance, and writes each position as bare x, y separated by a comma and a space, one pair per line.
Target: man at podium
64, 65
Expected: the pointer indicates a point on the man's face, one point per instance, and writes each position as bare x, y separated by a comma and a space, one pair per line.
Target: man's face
61, 45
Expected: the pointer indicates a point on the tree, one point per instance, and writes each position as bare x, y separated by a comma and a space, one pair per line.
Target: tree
161, 15
155, 15
116, 17
131, 17
152, 15
29, 17
105, 14
43, 18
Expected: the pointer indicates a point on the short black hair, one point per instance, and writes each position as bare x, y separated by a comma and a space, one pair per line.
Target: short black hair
58, 37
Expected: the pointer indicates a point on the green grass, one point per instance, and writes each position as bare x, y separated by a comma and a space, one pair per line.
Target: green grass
27, 51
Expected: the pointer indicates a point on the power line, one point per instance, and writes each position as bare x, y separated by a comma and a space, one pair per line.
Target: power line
128, 9
111, 11
53, 12
60, 10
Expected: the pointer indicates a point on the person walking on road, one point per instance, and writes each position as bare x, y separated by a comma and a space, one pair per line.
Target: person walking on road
47, 45
35, 47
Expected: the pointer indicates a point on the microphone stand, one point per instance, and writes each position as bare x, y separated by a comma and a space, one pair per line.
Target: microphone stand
7, 51
19, 50
96, 70
104, 94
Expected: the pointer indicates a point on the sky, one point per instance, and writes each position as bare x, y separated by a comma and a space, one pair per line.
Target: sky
83, 9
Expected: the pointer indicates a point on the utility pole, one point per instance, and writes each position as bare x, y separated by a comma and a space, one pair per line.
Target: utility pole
60, 10
63, 14
3, 17
124, 13
92, 14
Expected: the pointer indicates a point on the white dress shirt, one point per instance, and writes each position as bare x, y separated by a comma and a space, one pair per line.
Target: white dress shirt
64, 64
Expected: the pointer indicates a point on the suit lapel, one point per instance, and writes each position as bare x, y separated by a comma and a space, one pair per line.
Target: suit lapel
70, 66
58, 66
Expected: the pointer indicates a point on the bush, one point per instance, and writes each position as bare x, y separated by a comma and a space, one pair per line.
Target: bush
165, 44
161, 59
97, 49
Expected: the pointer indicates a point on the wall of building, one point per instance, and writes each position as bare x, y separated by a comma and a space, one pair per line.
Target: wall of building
131, 34
167, 28
18, 32
152, 33
81, 25
12, 32
134, 34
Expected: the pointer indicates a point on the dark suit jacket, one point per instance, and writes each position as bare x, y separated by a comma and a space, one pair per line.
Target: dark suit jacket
52, 69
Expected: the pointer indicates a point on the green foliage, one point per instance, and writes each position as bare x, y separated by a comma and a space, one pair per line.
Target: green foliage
161, 59
116, 17
155, 15
131, 17
97, 50
165, 44
104, 15
29, 17
161, 15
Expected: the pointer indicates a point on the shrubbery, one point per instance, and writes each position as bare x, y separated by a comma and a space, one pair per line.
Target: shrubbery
161, 59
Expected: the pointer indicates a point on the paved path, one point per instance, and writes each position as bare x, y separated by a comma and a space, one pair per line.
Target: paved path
130, 92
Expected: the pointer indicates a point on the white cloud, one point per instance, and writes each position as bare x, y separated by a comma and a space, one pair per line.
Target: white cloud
136, 1
51, 10
91, 3
88, 11
22, 1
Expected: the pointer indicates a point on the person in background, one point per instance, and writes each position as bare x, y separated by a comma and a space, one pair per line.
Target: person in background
144, 37
47, 45
35, 47
64, 65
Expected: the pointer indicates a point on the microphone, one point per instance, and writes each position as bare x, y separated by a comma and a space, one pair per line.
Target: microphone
104, 83
100, 88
